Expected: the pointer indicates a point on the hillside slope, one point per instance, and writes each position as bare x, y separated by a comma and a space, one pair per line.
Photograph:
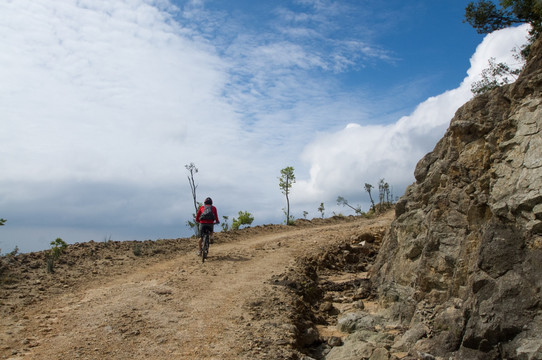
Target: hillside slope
247, 301
461, 265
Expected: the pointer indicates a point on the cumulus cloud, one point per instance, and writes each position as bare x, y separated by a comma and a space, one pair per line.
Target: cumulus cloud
103, 103
100, 97
342, 162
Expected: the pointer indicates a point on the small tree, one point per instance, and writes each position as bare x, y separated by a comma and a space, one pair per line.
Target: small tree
57, 248
2, 221
192, 170
286, 180
245, 218
342, 201
224, 224
321, 209
383, 194
305, 213
495, 76
368, 188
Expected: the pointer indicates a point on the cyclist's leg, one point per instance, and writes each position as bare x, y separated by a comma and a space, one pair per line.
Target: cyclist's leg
200, 241
211, 232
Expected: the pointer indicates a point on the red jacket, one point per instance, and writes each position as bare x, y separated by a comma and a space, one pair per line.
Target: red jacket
200, 211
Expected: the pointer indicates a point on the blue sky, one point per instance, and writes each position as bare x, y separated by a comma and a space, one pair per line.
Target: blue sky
103, 104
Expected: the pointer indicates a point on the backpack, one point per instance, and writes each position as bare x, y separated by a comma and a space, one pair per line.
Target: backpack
207, 213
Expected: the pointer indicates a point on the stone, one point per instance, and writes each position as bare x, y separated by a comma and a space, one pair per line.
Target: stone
335, 341
352, 322
359, 304
530, 349
351, 350
380, 354
309, 337
410, 337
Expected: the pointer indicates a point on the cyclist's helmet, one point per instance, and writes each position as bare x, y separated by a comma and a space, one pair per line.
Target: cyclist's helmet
208, 201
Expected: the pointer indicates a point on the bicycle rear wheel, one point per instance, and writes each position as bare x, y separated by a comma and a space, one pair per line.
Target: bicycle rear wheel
205, 247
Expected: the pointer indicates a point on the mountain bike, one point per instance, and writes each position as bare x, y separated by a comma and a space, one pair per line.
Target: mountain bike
205, 245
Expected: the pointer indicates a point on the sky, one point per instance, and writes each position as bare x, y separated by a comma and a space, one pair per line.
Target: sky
103, 104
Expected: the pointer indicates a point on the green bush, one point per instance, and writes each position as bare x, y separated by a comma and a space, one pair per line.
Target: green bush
57, 248
138, 249
245, 218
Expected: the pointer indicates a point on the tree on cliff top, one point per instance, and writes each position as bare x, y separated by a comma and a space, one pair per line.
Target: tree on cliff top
486, 17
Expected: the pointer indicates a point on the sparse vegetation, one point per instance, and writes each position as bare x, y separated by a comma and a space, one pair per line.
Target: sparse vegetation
384, 195
286, 180
291, 218
192, 170
137, 249
486, 17
321, 209
494, 76
245, 218
2, 221
368, 188
342, 201
14, 252
57, 248
224, 224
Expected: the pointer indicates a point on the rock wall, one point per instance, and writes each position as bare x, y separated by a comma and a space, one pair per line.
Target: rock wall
463, 258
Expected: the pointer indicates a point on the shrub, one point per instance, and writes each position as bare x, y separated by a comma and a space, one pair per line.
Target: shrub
57, 248
245, 218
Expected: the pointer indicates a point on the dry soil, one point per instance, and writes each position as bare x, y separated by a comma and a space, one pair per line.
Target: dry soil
157, 300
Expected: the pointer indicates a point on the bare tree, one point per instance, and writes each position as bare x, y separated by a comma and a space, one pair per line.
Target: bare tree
192, 169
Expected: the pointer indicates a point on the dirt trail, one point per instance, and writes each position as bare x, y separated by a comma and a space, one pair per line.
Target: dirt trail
173, 306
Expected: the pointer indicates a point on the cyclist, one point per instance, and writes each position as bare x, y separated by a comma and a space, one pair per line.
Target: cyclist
207, 216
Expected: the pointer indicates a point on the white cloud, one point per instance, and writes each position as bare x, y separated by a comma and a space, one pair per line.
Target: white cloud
103, 103
98, 92
342, 162
104, 95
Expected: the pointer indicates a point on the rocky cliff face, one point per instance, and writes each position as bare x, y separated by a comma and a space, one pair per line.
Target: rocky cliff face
462, 263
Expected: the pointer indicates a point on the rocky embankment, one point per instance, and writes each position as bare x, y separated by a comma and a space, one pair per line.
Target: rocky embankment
461, 265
